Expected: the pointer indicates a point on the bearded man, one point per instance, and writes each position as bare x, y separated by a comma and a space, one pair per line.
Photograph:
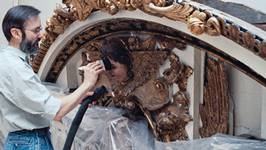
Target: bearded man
26, 106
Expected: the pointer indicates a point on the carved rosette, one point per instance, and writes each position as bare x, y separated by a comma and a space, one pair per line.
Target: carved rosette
200, 22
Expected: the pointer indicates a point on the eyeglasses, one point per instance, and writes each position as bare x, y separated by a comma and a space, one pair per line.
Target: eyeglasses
36, 30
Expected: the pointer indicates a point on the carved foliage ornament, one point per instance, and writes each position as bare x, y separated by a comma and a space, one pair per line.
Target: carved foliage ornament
199, 21
148, 90
150, 93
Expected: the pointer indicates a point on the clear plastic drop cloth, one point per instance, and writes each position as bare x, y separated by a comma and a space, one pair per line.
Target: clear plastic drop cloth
216, 142
107, 129
104, 129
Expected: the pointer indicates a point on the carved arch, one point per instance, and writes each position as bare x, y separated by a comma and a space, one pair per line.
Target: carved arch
80, 23
199, 19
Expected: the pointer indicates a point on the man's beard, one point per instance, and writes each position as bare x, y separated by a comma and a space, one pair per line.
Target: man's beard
29, 47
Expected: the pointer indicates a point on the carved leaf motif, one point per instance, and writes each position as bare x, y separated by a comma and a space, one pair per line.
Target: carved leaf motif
200, 15
196, 26
82, 8
177, 12
262, 48
213, 26
248, 40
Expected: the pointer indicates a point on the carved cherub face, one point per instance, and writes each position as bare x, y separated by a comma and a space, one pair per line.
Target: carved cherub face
159, 97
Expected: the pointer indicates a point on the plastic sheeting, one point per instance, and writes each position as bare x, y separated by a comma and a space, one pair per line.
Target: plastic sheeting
104, 129
216, 142
107, 129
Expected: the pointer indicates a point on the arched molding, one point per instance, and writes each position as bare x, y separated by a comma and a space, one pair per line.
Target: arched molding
223, 44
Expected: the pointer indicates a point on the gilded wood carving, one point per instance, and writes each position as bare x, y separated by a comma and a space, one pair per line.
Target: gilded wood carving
166, 114
214, 111
199, 21
169, 122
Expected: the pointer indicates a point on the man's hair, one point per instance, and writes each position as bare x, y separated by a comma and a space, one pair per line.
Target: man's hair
16, 18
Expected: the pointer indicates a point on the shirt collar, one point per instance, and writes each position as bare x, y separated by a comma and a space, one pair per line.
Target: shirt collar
16, 52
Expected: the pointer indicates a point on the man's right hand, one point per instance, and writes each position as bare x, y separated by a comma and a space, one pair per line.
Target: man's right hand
91, 72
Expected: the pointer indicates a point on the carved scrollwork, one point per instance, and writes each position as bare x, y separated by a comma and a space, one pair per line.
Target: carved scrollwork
82, 8
198, 21
177, 12
213, 26
169, 9
177, 73
196, 26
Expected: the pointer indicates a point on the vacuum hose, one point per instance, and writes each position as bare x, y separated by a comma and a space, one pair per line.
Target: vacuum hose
78, 118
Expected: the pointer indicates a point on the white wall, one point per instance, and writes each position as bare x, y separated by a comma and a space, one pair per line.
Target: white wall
247, 97
5, 5
263, 113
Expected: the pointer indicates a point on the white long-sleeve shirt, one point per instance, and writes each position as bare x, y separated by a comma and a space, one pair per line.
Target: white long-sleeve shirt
24, 102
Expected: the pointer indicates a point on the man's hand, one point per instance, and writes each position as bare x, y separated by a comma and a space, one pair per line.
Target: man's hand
69, 102
91, 72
